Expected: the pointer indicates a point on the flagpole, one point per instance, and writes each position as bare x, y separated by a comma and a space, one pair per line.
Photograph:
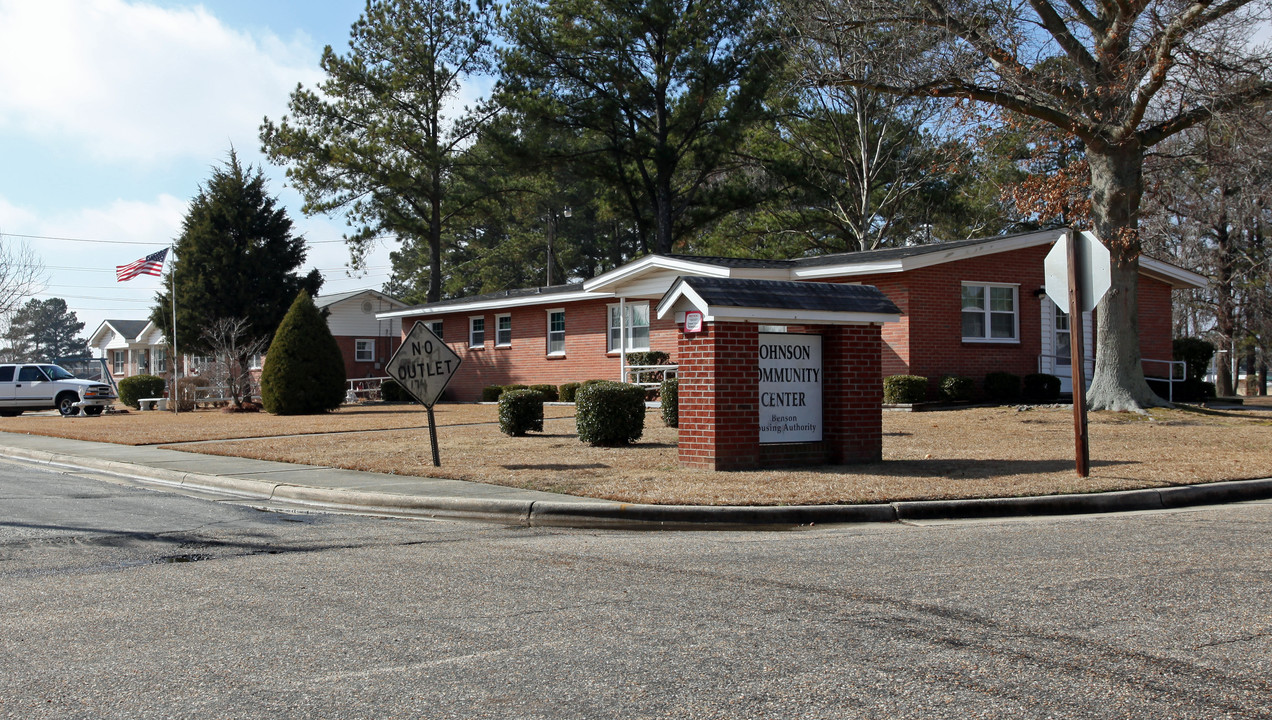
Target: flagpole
176, 358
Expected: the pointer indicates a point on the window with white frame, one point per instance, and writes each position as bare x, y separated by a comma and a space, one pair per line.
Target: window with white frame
636, 332
364, 350
118, 359
477, 331
990, 313
556, 332
436, 327
503, 330
158, 361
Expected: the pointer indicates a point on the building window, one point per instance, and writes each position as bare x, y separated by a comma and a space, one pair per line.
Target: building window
118, 359
159, 361
637, 330
503, 330
989, 313
476, 331
436, 327
364, 351
556, 332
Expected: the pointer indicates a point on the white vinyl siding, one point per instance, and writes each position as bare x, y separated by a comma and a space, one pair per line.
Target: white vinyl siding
637, 330
556, 332
991, 313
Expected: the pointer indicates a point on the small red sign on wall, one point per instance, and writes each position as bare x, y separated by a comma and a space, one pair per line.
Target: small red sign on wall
693, 321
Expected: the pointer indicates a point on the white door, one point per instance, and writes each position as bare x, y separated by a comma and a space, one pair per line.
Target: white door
1056, 358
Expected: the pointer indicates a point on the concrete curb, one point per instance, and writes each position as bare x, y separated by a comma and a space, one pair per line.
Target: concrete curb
613, 515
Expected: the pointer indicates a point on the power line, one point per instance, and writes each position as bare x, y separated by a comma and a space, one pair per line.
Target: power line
142, 242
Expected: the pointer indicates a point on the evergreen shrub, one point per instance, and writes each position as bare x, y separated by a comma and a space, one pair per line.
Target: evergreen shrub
1040, 388
520, 411
549, 392
392, 391
304, 370
1196, 354
491, 393
610, 413
1002, 387
566, 392
956, 388
904, 389
133, 389
648, 357
669, 402
515, 386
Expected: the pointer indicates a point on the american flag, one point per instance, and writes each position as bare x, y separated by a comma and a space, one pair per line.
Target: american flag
150, 265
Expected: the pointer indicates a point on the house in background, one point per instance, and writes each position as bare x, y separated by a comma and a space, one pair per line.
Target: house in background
968, 308
366, 341
136, 347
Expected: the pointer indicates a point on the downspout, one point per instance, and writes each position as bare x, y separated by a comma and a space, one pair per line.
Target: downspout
622, 339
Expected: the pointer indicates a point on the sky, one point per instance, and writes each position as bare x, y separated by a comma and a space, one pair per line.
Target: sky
114, 112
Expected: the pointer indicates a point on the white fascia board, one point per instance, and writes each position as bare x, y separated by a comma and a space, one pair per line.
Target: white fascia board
104, 327
1177, 277
776, 316
681, 291
989, 247
656, 262
495, 304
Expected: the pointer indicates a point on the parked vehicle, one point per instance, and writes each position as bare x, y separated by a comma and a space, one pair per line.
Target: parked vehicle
41, 386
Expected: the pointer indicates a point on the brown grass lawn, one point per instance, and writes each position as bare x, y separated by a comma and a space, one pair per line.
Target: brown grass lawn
972, 452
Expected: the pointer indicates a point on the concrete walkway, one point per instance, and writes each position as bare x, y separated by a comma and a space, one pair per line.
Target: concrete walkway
318, 487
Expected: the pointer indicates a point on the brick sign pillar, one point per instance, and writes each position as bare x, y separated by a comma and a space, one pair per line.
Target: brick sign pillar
719, 399
719, 396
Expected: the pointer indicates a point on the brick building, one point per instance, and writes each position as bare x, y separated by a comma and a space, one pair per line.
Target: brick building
968, 308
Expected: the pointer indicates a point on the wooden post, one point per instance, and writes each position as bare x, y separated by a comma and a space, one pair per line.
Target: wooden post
1082, 457
432, 436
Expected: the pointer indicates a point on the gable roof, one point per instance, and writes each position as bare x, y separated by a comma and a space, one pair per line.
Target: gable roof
323, 301
779, 301
129, 330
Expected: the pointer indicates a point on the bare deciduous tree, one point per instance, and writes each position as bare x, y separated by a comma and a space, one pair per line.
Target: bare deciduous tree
1121, 76
233, 350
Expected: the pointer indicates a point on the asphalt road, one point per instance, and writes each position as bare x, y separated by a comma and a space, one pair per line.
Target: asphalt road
122, 602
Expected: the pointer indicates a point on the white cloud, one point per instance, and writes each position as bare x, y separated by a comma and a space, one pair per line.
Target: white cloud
131, 81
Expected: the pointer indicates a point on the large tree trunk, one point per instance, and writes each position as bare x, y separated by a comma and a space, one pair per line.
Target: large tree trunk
1116, 186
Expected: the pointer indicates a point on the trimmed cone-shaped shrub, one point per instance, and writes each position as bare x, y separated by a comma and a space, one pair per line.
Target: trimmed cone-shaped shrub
610, 413
567, 391
669, 402
549, 392
1002, 387
133, 389
956, 388
904, 389
304, 370
520, 411
1040, 387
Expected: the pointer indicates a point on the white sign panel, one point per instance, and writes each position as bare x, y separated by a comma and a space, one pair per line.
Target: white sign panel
790, 368
423, 365
1094, 271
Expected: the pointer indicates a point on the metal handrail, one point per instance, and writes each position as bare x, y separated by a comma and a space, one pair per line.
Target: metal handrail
358, 387
635, 373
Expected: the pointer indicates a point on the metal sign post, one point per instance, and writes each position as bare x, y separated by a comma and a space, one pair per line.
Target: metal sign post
1077, 276
423, 366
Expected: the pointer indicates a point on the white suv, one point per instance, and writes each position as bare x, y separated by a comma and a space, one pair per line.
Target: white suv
38, 386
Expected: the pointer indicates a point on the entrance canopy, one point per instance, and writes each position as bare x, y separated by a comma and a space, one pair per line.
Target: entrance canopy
777, 302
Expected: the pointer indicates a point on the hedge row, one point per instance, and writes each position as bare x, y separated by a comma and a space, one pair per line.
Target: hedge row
997, 387
550, 393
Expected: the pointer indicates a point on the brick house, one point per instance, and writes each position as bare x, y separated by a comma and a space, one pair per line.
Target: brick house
968, 308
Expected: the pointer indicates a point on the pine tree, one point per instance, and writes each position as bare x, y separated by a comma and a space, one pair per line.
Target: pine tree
42, 330
304, 371
236, 258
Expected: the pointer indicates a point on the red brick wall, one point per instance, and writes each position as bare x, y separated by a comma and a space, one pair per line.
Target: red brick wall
1155, 326
384, 349
526, 360
719, 399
